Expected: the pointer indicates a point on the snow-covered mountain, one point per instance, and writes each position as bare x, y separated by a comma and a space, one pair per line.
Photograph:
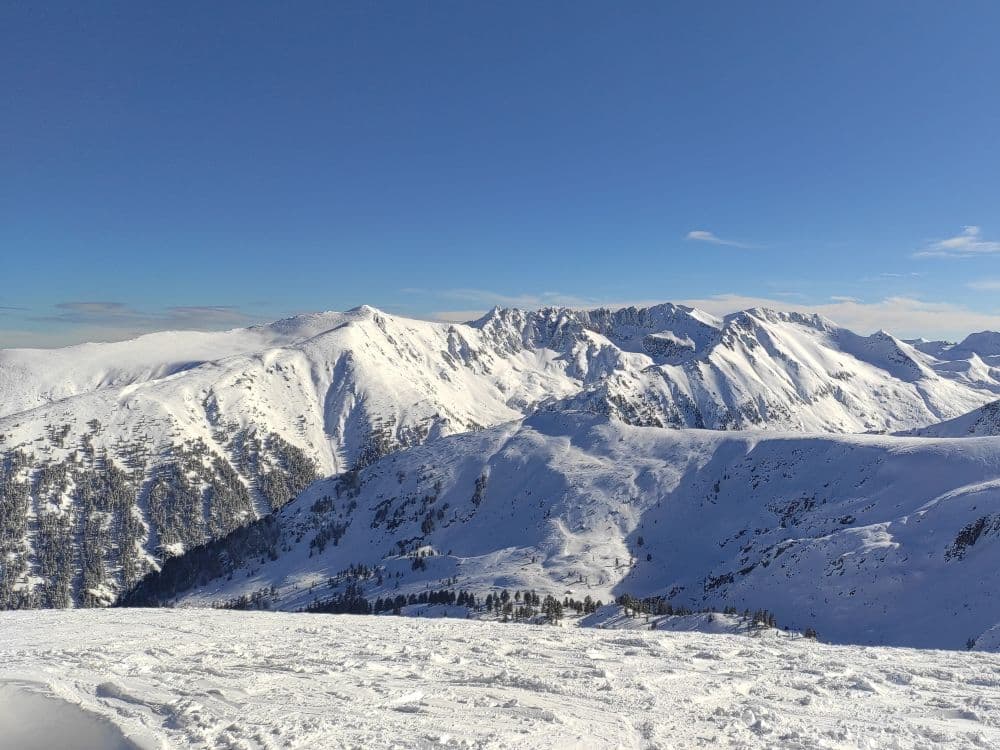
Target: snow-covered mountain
761, 369
985, 344
115, 456
981, 422
867, 539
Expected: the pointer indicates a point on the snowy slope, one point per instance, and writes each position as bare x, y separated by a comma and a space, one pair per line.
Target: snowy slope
204, 679
132, 452
981, 422
867, 539
35, 377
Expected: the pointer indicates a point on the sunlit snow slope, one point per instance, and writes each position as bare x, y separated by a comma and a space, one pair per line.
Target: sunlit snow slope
867, 539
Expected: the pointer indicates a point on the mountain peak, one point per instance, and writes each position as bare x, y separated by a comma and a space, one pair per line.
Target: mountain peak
366, 310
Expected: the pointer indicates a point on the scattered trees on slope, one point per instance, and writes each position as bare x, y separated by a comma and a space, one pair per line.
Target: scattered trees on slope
81, 525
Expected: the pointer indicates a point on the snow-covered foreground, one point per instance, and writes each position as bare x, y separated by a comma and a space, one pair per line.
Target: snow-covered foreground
202, 678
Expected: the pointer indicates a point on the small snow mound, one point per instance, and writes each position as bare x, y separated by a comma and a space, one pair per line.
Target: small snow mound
989, 640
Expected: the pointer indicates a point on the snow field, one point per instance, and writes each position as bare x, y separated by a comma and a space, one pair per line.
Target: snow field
206, 679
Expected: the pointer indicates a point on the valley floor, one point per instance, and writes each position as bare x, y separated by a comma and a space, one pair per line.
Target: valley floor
205, 679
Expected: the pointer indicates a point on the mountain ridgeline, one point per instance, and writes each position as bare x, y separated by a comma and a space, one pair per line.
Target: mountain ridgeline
115, 458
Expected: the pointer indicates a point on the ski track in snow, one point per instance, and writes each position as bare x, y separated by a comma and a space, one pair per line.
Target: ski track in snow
219, 679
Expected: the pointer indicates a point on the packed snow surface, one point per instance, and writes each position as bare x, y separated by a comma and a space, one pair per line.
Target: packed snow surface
207, 679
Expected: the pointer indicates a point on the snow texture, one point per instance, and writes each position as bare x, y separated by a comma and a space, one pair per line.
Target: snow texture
210, 679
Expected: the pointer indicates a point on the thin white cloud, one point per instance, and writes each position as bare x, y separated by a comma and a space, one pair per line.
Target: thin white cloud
702, 235
888, 275
985, 285
75, 322
795, 295
968, 243
118, 314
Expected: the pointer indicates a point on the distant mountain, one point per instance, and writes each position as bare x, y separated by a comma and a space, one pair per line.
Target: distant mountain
981, 422
936, 349
985, 344
761, 369
867, 539
114, 457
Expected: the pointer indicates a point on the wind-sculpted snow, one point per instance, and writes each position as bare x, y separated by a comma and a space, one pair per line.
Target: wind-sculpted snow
866, 539
208, 679
114, 457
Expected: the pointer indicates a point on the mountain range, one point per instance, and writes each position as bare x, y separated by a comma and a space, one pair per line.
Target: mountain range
118, 457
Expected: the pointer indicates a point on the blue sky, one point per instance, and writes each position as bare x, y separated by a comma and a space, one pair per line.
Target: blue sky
212, 164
